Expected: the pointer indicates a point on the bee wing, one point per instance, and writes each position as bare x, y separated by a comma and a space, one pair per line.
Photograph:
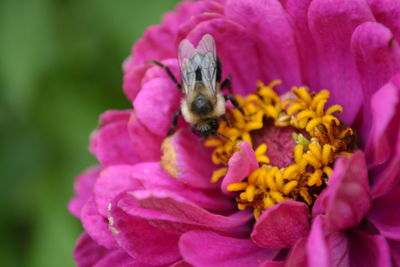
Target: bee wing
208, 63
186, 51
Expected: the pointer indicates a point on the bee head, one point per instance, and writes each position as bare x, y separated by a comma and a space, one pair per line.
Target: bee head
206, 128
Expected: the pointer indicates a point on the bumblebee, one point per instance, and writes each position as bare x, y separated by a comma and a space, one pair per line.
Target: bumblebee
203, 105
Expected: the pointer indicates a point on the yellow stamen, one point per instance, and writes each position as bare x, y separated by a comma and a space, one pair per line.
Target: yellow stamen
218, 174
237, 186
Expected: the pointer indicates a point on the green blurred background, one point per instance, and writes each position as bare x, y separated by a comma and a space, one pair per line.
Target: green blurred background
60, 67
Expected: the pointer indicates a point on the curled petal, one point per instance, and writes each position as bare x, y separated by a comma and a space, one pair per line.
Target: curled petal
177, 215
318, 254
347, 198
385, 106
388, 13
240, 165
377, 56
202, 248
281, 225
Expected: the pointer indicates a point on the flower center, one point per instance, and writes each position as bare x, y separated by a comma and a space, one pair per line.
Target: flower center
296, 142
279, 141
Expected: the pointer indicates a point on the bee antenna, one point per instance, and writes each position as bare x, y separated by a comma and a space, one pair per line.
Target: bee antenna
224, 136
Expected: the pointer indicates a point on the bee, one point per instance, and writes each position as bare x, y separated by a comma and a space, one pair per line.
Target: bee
203, 104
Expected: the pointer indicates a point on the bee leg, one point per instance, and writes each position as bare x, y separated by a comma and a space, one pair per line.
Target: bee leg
226, 120
234, 102
174, 122
169, 72
227, 83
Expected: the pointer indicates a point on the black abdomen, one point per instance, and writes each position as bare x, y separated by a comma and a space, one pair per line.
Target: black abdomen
201, 105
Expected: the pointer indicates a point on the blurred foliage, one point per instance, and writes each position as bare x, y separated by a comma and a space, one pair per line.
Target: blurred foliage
60, 68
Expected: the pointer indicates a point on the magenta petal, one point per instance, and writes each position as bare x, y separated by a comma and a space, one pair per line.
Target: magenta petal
156, 103
395, 250
202, 248
133, 80
347, 198
175, 214
273, 35
269, 263
309, 60
144, 141
298, 254
152, 176
83, 189
338, 247
388, 13
96, 225
141, 240
195, 171
117, 258
385, 214
377, 56
385, 106
111, 182
366, 250
281, 225
332, 24
317, 250
111, 143
240, 165
87, 252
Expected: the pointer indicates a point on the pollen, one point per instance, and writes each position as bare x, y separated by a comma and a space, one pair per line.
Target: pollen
318, 138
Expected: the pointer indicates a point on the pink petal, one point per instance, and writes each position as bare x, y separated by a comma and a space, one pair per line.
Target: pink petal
112, 116
175, 214
113, 181
332, 24
388, 13
96, 225
385, 106
281, 225
153, 177
156, 103
338, 247
240, 165
309, 59
347, 198
385, 214
269, 263
395, 251
366, 250
385, 180
111, 143
195, 171
83, 189
202, 248
117, 258
317, 250
133, 80
141, 240
377, 59
87, 252
144, 141
273, 35
298, 254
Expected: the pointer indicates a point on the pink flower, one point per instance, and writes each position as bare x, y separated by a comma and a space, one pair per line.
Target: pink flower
138, 212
